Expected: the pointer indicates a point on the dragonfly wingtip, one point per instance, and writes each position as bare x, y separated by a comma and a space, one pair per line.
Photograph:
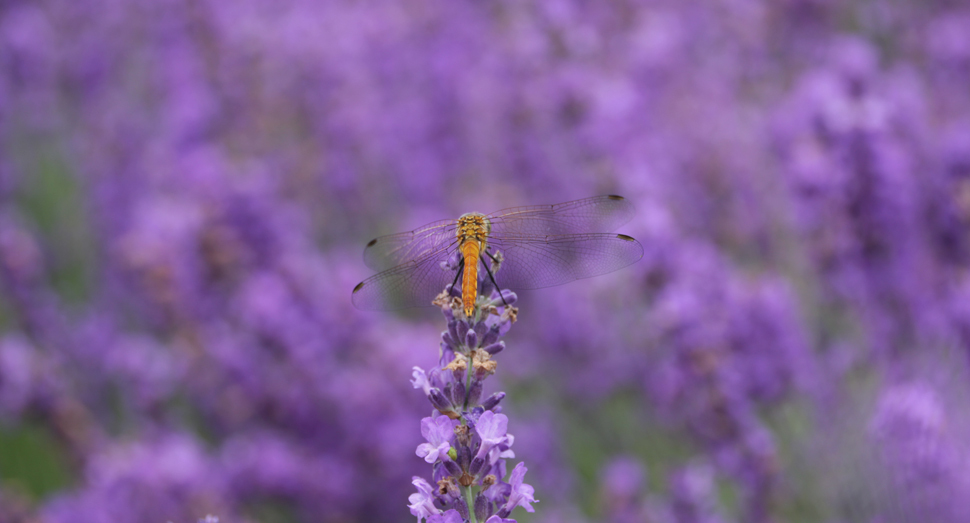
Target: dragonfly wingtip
358, 287
372, 242
615, 197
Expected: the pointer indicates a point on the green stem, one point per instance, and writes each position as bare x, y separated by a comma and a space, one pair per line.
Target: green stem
467, 492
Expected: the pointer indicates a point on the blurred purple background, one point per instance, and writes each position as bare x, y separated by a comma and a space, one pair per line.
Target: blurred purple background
186, 188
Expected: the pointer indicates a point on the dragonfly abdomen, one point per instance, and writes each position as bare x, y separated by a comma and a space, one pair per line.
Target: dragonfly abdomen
473, 230
469, 280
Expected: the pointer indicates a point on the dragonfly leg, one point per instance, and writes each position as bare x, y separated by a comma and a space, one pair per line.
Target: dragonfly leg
489, 271
458, 273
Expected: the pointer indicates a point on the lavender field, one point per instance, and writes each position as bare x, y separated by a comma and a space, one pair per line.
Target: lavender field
187, 187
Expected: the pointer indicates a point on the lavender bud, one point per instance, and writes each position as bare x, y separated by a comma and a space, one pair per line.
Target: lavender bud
495, 348
491, 336
492, 401
462, 508
476, 465
464, 456
453, 330
447, 391
481, 507
458, 393
452, 467
458, 372
503, 512
509, 297
475, 393
447, 339
461, 329
471, 339
486, 287
480, 329
440, 401
447, 355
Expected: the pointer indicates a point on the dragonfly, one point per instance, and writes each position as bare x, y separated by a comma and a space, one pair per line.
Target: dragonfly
528, 247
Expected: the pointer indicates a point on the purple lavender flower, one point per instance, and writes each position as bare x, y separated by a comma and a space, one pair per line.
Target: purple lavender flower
522, 493
439, 431
422, 501
467, 443
920, 457
491, 428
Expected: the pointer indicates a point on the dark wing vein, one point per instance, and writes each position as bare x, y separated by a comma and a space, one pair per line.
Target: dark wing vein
536, 262
411, 284
598, 214
392, 250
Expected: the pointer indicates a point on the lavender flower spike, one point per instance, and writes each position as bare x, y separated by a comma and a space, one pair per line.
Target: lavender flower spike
468, 442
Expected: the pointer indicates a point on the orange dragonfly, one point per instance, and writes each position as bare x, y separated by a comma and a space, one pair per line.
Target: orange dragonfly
520, 248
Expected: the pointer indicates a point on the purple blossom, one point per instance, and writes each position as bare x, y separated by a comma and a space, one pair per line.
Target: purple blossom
522, 493
439, 431
491, 428
422, 501
920, 456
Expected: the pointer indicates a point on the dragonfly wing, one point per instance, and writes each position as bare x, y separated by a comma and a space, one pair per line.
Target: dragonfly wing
392, 250
412, 284
589, 215
544, 261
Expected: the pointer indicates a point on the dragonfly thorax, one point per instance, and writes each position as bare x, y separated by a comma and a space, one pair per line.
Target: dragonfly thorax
473, 227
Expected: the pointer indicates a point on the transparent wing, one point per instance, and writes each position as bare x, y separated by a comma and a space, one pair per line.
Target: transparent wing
598, 214
395, 249
536, 262
412, 284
